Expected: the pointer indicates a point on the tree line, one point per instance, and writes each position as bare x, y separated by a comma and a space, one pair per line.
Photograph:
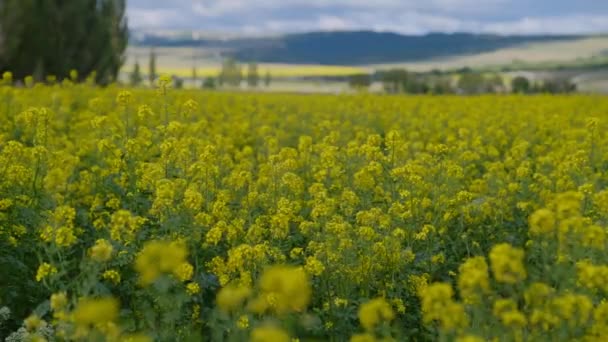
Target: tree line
231, 74
465, 81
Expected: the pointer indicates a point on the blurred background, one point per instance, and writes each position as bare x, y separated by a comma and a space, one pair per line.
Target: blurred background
337, 46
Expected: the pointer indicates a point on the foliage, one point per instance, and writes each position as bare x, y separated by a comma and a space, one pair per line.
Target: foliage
231, 73
209, 83
152, 67
520, 85
360, 81
253, 77
54, 37
135, 78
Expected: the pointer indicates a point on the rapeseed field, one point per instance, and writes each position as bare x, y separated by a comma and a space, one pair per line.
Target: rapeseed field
181, 215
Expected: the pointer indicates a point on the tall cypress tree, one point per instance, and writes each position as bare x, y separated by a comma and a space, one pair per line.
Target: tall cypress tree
152, 67
52, 37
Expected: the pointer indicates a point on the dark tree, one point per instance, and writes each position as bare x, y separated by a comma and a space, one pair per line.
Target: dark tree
209, 83
253, 76
52, 37
360, 81
194, 75
520, 85
231, 73
152, 67
394, 80
471, 83
135, 76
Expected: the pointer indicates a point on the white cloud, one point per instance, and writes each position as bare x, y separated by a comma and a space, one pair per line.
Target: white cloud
333, 23
152, 18
404, 16
574, 24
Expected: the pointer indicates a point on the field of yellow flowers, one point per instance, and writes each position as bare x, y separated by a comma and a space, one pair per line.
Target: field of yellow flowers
177, 215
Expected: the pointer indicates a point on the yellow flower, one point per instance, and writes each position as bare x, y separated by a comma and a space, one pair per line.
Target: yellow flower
243, 322
537, 294
438, 305
375, 311
269, 334
158, 257
193, 199
112, 276
366, 337
33, 322
45, 270
506, 310
574, 309
473, 279
283, 289
59, 301
124, 98
542, 222
184, 272
470, 338
164, 83
592, 276
314, 266
230, 298
7, 78
507, 263
91, 311
193, 288
398, 304
101, 251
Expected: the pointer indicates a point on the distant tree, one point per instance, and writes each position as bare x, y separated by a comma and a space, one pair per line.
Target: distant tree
394, 79
416, 84
152, 67
253, 76
494, 84
267, 79
471, 83
520, 85
360, 81
54, 37
238, 76
135, 76
442, 86
194, 75
178, 82
231, 73
209, 83
557, 86
220, 80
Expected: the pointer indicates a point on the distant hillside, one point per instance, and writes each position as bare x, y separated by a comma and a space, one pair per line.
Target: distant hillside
354, 47
373, 47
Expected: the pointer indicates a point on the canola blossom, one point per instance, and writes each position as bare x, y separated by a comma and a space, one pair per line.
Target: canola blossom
158, 215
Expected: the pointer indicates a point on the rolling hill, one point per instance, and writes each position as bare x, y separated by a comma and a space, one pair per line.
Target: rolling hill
352, 47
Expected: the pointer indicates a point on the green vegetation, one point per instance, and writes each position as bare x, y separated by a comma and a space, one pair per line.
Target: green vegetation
39, 38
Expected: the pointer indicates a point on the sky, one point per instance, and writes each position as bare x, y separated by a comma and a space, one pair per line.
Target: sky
402, 16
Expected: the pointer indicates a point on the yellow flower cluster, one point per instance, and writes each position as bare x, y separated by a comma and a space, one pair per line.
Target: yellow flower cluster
374, 312
101, 251
282, 289
507, 263
163, 257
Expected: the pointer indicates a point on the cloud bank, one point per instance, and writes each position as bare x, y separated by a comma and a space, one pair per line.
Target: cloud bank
408, 17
